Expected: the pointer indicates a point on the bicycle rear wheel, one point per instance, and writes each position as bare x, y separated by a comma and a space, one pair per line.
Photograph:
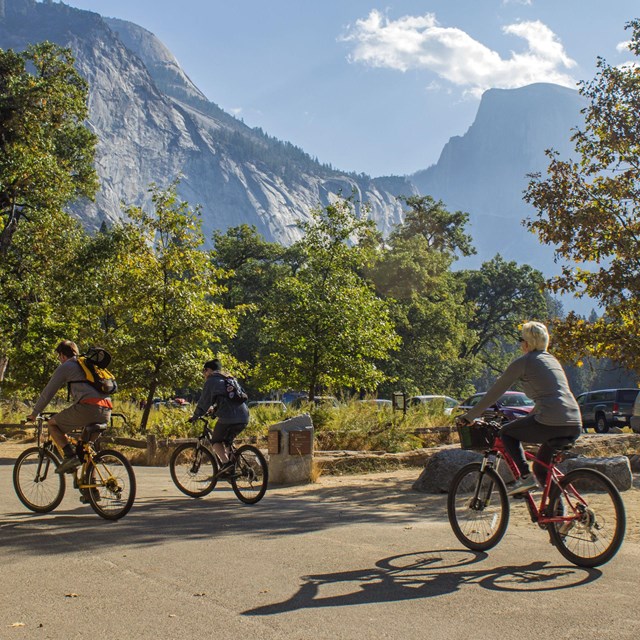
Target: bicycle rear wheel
478, 507
595, 533
193, 470
251, 475
36, 482
111, 484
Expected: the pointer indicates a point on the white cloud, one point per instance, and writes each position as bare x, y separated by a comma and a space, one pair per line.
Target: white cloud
419, 42
623, 47
631, 65
524, 2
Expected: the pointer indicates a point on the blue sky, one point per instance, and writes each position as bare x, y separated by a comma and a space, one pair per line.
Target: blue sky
375, 87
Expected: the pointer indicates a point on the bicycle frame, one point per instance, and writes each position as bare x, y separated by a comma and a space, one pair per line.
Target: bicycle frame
205, 438
86, 448
537, 512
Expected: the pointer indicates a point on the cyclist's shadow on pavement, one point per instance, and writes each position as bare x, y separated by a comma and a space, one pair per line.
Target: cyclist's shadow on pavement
424, 574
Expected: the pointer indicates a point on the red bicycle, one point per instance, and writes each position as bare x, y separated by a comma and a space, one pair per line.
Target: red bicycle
582, 510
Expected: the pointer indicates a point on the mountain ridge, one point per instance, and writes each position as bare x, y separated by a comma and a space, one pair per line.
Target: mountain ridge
237, 175
154, 124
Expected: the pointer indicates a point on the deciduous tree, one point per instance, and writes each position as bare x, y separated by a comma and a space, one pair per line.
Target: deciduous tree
589, 209
326, 327
163, 322
46, 149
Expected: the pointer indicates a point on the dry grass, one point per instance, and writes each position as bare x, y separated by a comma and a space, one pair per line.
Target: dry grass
317, 469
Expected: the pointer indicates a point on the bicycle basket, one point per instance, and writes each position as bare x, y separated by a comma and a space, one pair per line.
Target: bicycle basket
478, 437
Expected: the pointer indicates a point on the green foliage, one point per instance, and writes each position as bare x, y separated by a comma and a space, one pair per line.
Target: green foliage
590, 210
46, 155
428, 308
502, 295
324, 326
361, 426
154, 297
251, 267
442, 230
36, 283
46, 150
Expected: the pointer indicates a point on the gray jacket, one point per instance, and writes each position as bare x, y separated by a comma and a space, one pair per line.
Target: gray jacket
68, 371
214, 394
544, 381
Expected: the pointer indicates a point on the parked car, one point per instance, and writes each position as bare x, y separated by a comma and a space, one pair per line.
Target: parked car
275, 405
514, 404
634, 421
178, 403
447, 403
604, 408
289, 396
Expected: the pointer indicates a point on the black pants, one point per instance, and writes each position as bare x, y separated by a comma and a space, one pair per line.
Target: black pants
528, 429
226, 432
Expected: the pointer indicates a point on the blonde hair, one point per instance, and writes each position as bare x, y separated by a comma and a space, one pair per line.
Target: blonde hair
536, 335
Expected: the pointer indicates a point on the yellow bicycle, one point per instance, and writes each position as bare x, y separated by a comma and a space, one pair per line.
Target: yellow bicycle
105, 480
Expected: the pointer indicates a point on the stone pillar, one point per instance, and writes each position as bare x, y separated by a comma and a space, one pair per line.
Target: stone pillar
291, 450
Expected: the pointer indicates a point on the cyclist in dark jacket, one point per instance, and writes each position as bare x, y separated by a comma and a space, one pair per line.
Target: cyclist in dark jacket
232, 417
556, 413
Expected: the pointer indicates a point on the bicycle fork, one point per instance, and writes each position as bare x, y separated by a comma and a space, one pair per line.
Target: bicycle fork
478, 502
41, 475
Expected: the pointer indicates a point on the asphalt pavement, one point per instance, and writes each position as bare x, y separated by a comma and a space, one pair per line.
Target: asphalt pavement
366, 558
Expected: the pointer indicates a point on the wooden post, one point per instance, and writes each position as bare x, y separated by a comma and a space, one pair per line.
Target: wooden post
152, 448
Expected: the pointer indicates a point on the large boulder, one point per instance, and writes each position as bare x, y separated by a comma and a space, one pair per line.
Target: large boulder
443, 465
617, 469
634, 462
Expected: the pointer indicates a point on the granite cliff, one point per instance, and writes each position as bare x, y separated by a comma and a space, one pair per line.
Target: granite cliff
154, 125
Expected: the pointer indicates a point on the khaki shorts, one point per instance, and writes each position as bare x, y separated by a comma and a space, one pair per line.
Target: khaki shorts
78, 416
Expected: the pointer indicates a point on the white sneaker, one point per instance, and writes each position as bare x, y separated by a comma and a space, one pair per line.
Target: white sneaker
522, 485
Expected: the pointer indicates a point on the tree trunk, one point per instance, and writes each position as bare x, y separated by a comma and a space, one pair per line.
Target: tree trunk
4, 361
148, 406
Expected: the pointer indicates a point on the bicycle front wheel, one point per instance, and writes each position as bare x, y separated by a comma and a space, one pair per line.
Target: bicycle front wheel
595, 518
478, 507
110, 484
36, 482
251, 474
193, 470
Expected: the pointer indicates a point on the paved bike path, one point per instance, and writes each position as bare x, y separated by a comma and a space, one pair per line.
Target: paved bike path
355, 560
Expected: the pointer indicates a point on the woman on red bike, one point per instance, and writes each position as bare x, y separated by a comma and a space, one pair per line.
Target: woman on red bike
555, 415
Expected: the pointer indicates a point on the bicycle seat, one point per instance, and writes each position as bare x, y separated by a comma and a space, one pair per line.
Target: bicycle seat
562, 443
92, 429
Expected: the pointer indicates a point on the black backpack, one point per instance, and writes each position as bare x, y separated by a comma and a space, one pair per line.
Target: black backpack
234, 392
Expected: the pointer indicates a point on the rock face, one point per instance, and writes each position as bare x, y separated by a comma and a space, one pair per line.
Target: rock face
155, 125
485, 171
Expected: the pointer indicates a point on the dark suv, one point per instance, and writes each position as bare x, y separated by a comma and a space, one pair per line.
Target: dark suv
606, 408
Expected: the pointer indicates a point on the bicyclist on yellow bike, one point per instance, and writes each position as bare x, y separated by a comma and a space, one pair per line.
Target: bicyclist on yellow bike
555, 414
232, 418
89, 405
